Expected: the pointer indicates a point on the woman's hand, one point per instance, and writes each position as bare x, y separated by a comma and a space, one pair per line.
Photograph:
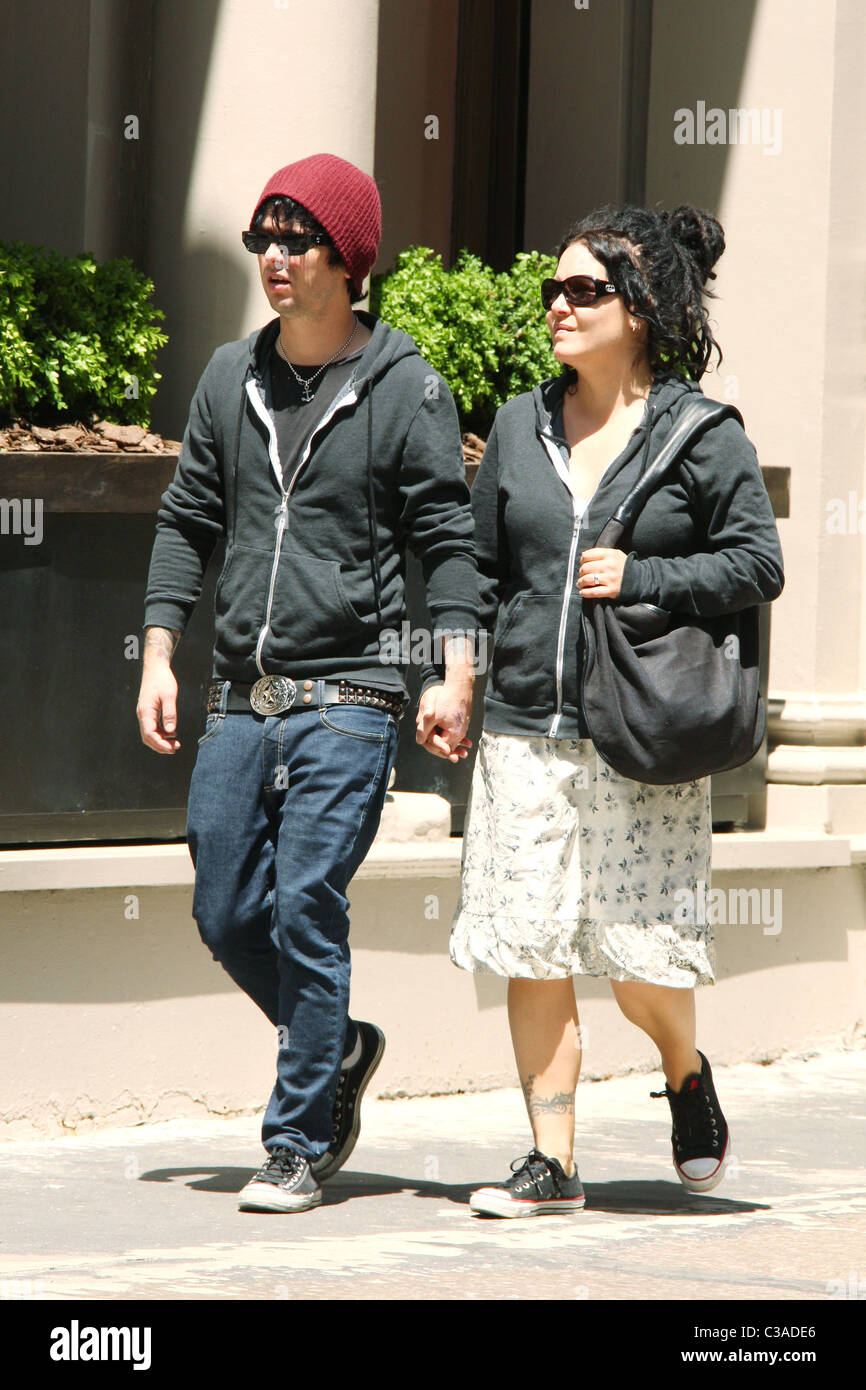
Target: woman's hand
600, 573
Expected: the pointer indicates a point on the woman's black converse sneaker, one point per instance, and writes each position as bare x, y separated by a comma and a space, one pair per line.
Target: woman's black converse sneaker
699, 1138
283, 1183
539, 1185
351, 1086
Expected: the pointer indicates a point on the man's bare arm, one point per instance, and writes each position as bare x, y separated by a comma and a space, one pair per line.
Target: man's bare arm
160, 642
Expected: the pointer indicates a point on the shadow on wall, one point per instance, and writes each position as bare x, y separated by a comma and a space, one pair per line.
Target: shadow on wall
698, 61
134, 944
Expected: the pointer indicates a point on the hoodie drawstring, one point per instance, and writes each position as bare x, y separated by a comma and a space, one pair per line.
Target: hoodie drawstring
371, 510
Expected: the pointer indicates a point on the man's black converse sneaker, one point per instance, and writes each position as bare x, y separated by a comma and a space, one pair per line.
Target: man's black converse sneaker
700, 1138
351, 1086
283, 1183
539, 1185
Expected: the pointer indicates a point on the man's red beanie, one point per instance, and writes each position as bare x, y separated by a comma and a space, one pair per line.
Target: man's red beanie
340, 197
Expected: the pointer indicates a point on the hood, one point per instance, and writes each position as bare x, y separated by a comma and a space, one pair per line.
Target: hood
667, 396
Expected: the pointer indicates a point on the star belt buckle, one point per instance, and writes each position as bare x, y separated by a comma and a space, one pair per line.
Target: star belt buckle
273, 694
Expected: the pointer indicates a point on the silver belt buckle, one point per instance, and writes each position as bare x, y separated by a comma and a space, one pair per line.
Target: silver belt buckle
273, 694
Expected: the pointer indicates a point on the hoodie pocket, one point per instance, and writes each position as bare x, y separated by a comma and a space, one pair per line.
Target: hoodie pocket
241, 599
311, 615
524, 651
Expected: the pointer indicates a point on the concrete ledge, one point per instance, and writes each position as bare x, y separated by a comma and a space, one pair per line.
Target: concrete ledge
128, 866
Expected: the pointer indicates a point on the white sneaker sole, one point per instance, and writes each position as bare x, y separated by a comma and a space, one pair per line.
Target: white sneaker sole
264, 1196
711, 1180
489, 1202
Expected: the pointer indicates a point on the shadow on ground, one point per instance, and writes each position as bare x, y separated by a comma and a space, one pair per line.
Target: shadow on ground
632, 1198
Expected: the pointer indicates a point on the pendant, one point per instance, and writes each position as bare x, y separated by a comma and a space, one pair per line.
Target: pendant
306, 394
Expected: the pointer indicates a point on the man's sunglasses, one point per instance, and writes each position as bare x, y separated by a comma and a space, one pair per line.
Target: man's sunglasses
295, 243
579, 290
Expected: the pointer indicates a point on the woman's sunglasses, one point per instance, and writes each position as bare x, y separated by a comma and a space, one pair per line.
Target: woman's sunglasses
579, 290
296, 243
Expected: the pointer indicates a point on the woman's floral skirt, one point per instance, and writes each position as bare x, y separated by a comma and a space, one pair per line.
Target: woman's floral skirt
571, 869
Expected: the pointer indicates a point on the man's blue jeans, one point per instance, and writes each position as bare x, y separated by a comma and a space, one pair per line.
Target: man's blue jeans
282, 811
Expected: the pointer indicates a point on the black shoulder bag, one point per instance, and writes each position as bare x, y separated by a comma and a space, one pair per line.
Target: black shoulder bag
669, 697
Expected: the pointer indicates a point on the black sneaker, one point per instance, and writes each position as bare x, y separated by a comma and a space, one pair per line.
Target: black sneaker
539, 1185
351, 1086
700, 1137
283, 1183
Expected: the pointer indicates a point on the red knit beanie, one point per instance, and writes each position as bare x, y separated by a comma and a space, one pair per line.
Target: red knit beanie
340, 197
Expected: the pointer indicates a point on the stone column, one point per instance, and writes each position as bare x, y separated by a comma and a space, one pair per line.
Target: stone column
239, 90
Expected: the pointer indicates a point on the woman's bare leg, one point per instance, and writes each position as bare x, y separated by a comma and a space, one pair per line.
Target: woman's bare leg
666, 1015
545, 1031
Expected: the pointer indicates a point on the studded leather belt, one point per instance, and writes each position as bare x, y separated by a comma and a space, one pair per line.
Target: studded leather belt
283, 695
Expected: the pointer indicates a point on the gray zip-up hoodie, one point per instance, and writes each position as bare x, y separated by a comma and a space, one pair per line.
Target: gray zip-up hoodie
315, 551
705, 543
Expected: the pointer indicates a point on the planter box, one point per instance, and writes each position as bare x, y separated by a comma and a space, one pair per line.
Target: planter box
74, 767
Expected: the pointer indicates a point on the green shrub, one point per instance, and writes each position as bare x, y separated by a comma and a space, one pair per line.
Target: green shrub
484, 332
76, 338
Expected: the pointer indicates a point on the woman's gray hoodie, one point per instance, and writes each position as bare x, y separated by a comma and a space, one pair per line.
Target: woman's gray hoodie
705, 543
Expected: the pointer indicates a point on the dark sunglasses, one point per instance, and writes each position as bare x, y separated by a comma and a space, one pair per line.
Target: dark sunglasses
296, 243
579, 290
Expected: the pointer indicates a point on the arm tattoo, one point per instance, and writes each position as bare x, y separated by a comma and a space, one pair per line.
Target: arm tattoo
560, 1103
159, 641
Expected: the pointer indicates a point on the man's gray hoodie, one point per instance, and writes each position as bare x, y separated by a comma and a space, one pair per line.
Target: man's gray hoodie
315, 546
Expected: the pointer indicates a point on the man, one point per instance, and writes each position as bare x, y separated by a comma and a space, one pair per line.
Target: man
320, 447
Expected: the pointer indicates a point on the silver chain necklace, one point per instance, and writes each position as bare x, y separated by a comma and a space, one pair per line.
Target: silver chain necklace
306, 382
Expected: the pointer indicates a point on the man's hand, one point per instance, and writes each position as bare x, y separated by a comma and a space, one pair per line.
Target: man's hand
444, 710
157, 699
443, 718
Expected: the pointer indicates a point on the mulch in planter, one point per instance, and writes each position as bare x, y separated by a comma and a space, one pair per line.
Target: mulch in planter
99, 437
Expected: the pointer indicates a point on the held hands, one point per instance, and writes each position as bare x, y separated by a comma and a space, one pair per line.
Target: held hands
600, 573
443, 718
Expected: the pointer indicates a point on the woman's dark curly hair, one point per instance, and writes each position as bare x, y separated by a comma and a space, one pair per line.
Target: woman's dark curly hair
660, 262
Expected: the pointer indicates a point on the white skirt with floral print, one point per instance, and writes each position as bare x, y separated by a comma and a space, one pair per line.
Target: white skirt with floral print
571, 869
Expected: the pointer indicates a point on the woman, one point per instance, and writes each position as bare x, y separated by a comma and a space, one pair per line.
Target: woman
568, 867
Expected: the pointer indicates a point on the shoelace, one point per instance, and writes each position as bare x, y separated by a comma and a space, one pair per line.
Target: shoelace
690, 1119
284, 1161
533, 1159
338, 1105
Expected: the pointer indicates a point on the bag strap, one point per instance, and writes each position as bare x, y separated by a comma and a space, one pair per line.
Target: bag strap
693, 419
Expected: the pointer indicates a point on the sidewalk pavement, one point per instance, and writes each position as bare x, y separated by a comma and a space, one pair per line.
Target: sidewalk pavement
150, 1211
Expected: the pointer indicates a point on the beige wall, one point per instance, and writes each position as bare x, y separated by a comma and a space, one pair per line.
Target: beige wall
790, 307
110, 1020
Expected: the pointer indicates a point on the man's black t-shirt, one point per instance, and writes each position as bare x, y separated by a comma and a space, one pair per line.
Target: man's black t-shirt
295, 420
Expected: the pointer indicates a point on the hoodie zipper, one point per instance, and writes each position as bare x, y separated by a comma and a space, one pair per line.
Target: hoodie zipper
349, 397
559, 465
563, 620
569, 581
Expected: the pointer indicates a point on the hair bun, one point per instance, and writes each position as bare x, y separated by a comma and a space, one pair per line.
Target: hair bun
700, 234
